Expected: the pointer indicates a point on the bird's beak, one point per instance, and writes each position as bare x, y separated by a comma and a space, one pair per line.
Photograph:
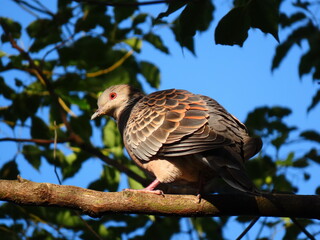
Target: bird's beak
96, 114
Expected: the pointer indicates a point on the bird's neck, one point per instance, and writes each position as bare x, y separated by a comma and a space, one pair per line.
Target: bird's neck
125, 113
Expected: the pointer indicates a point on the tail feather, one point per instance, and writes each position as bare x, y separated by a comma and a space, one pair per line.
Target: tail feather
251, 146
238, 179
230, 169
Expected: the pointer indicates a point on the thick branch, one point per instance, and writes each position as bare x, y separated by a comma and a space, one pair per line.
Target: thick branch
96, 203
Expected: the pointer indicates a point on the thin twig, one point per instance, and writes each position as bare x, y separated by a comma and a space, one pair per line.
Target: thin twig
34, 7
89, 149
261, 228
55, 152
111, 68
35, 140
303, 229
252, 223
57, 46
88, 226
27, 9
123, 4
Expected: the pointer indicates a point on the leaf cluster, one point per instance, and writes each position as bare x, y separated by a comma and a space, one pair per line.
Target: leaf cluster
304, 29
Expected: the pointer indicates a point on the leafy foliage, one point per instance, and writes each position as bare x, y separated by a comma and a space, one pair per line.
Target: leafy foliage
78, 49
306, 29
233, 28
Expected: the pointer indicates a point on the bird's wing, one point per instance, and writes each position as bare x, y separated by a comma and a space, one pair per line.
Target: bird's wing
173, 123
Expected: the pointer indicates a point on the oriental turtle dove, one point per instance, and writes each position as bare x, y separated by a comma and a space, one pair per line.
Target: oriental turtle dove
179, 137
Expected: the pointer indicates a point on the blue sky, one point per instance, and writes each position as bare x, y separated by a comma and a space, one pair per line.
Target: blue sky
239, 78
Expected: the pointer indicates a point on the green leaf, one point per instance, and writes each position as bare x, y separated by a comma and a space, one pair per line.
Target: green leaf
63, 3
121, 13
5, 90
265, 16
33, 155
282, 184
81, 126
71, 164
98, 56
151, 73
261, 168
266, 121
186, 42
301, 163
287, 162
281, 51
233, 27
306, 176
315, 101
313, 155
296, 37
112, 138
63, 15
311, 135
156, 229
25, 105
306, 63
172, 7
156, 41
279, 141
67, 218
109, 180
135, 43
288, 21
93, 16
138, 19
9, 171
133, 183
45, 32
82, 103
196, 16
10, 27
2, 54
39, 129
208, 227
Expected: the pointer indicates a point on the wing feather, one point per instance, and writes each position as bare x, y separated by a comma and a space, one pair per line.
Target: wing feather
177, 123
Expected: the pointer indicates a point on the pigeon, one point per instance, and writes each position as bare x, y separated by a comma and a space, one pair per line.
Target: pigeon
180, 138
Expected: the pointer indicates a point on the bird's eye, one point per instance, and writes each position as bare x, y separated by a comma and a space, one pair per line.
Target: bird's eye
112, 95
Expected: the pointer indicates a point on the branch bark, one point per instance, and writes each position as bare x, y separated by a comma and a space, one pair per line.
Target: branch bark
96, 204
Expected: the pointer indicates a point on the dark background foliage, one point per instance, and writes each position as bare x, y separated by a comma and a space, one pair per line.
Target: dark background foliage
80, 48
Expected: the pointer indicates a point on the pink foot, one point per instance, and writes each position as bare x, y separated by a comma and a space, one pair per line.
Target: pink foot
149, 189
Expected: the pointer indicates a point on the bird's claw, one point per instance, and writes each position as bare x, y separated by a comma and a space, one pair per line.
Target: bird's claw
199, 198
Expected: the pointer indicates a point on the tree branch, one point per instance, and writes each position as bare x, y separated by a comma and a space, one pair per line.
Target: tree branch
96, 204
34, 140
90, 149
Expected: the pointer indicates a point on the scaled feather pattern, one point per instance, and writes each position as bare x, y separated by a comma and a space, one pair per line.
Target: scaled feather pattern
180, 138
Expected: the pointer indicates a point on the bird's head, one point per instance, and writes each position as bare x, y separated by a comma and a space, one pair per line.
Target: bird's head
114, 100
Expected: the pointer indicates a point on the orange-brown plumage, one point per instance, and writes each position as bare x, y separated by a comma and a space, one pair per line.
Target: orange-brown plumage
180, 138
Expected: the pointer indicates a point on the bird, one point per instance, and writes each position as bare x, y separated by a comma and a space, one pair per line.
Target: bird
180, 138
